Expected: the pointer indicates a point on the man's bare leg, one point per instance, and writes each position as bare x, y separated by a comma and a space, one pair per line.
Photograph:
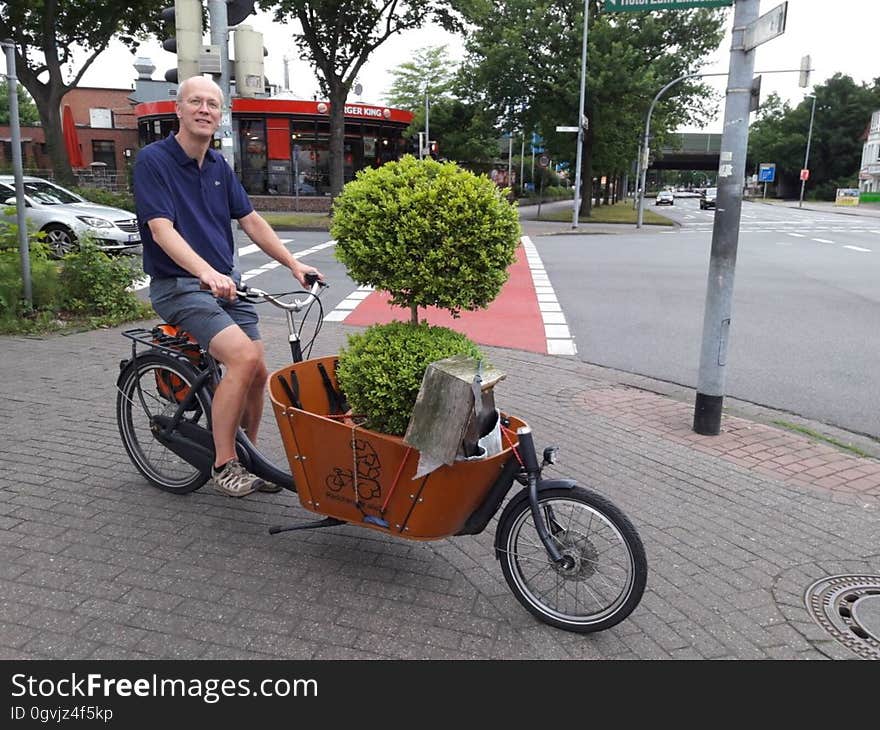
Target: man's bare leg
243, 360
253, 405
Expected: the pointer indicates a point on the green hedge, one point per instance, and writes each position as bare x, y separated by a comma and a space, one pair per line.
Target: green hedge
381, 369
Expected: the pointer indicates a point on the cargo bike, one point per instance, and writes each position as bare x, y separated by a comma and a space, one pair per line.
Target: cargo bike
569, 555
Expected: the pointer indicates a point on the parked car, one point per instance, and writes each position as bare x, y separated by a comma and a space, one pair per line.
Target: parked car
64, 216
707, 198
665, 197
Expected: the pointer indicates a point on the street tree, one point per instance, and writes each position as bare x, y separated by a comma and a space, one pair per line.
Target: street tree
843, 111
430, 73
50, 34
339, 36
463, 132
28, 115
524, 64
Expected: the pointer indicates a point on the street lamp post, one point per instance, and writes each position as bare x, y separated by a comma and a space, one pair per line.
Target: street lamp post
807, 155
642, 162
580, 137
18, 170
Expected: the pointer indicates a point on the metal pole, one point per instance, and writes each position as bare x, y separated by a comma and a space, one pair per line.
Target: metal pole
533, 162
220, 37
427, 123
725, 232
17, 169
580, 138
522, 161
509, 157
807, 155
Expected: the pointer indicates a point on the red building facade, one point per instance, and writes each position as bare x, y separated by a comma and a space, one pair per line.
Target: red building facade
282, 146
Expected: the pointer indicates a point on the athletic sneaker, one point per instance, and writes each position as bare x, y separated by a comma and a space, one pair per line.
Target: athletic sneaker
269, 487
233, 480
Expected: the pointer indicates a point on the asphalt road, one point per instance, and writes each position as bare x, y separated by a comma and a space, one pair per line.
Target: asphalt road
804, 337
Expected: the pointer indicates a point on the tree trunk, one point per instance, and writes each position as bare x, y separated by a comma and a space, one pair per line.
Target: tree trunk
414, 313
47, 97
338, 95
49, 106
587, 174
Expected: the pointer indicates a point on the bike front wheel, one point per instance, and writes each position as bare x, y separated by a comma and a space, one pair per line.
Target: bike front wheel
155, 385
606, 568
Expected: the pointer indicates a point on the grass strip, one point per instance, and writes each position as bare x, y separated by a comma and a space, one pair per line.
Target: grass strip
621, 212
821, 437
298, 221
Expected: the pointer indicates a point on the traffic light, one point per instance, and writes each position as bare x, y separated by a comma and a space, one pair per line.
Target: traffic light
804, 80
755, 97
249, 54
187, 40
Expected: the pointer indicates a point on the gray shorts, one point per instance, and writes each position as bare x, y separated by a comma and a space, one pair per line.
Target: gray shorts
180, 301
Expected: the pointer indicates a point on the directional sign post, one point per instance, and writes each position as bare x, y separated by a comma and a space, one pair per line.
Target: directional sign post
718, 313
767, 27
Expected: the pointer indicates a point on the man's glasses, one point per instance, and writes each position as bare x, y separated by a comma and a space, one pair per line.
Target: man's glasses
197, 101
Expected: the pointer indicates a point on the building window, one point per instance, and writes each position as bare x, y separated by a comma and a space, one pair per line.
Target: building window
104, 150
252, 146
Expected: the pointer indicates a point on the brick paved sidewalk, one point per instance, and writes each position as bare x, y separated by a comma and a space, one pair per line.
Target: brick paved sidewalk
98, 564
772, 451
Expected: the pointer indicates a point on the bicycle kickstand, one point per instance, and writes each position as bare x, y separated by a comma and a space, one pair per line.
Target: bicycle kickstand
326, 522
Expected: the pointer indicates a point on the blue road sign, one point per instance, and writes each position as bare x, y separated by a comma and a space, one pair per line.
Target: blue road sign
767, 172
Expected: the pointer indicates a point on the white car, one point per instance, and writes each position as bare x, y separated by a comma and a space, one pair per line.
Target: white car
63, 216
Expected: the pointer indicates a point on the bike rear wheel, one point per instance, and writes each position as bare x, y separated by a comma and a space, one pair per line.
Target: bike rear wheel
608, 568
152, 385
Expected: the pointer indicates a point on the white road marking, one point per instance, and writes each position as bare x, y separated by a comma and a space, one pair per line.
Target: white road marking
251, 273
559, 338
349, 304
822, 240
858, 248
797, 235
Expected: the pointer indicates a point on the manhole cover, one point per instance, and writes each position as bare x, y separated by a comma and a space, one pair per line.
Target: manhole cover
848, 608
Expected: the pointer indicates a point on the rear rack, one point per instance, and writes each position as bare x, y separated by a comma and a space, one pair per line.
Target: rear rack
155, 338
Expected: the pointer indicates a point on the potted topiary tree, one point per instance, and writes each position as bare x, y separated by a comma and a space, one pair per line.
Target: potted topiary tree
430, 234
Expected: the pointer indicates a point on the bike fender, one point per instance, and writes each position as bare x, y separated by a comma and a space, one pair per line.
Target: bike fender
543, 485
556, 484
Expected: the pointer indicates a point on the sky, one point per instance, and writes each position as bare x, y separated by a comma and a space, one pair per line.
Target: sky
839, 35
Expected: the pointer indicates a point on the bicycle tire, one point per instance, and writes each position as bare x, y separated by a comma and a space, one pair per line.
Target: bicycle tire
161, 467
610, 567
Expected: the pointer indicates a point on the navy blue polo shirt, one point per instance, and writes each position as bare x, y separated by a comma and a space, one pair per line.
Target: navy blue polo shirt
201, 202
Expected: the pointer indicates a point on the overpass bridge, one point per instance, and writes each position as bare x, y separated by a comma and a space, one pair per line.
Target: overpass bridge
689, 151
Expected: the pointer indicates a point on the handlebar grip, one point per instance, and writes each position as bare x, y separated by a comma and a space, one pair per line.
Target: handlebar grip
311, 279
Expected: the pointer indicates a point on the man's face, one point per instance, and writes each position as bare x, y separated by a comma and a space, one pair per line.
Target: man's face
199, 111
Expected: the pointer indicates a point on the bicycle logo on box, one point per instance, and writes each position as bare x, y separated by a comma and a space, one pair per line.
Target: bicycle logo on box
365, 480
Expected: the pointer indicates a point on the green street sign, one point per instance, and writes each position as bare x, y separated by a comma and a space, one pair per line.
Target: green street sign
635, 6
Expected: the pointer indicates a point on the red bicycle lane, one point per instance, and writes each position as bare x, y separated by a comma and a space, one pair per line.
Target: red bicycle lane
512, 320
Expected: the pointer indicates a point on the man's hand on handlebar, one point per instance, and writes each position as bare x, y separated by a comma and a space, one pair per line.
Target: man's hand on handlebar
220, 285
306, 275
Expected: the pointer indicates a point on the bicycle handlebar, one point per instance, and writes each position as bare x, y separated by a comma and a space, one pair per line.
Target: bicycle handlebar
249, 292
